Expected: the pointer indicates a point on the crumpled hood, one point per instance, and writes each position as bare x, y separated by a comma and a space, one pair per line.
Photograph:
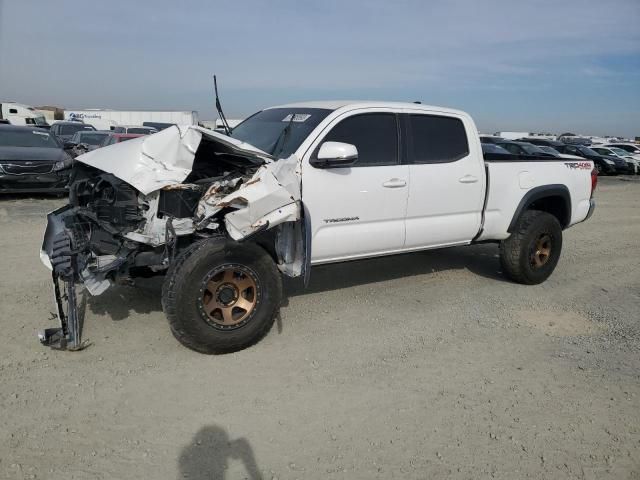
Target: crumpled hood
165, 158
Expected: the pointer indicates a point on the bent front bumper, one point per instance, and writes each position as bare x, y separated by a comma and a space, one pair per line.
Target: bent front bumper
59, 254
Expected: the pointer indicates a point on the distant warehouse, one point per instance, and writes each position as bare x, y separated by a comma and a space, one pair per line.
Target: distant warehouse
108, 119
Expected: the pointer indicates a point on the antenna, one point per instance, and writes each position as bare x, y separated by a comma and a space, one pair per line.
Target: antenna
225, 124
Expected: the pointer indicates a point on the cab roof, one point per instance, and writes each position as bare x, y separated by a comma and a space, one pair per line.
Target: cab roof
354, 104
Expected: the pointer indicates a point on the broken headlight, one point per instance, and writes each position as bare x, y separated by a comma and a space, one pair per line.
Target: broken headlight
62, 165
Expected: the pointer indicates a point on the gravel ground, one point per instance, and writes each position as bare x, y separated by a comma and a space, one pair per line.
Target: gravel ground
419, 366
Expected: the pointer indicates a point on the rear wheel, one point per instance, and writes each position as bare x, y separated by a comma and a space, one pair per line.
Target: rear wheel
222, 296
531, 253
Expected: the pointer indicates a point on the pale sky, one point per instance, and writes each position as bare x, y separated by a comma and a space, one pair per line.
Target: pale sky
532, 65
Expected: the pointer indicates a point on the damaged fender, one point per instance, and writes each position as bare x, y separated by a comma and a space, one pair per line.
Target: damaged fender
269, 198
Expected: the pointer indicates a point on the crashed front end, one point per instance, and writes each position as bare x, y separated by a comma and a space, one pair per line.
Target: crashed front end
134, 206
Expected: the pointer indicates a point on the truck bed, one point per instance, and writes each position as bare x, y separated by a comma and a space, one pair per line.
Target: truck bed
504, 196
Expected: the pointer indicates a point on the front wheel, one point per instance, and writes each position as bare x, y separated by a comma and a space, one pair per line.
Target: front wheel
222, 296
531, 253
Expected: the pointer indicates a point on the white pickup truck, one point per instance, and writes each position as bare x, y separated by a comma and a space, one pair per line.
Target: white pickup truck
224, 217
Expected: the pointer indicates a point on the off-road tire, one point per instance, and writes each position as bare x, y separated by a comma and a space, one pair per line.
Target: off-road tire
516, 252
181, 292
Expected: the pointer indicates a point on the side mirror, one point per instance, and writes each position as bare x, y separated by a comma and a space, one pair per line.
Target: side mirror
335, 155
68, 145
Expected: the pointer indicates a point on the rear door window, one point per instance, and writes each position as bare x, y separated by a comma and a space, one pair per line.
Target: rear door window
437, 139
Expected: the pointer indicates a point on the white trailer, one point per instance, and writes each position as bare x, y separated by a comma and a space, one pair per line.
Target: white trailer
106, 119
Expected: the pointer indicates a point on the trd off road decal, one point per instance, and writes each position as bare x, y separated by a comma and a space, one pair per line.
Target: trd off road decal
343, 219
578, 165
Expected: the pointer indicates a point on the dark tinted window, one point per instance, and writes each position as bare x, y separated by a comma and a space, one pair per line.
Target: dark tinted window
375, 135
90, 138
437, 139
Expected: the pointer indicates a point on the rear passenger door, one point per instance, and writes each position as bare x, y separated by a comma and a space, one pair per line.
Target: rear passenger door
447, 181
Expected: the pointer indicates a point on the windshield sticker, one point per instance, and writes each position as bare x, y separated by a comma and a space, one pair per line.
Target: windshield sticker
298, 117
40, 133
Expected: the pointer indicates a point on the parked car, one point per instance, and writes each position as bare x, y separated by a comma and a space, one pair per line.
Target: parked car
64, 130
491, 150
134, 129
84, 141
556, 153
632, 160
525, 149
604, 163
632, 148
32, 160
573, 139
296, 186
118, 137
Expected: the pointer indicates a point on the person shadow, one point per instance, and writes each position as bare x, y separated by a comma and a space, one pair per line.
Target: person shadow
207, 456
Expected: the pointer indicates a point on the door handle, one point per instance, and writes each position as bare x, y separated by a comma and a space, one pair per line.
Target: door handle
468, 179
395, 183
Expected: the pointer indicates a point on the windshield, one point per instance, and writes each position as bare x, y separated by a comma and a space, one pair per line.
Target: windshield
587, 151
532, 149
548, 149
266, 129
143, 131
620, 151
493, 148
90, 138
71, 129
27, 138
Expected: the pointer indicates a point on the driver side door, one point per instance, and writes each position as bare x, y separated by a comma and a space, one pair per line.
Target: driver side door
358, 211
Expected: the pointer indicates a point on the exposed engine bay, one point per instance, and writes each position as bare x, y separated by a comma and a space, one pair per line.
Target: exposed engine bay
133, 207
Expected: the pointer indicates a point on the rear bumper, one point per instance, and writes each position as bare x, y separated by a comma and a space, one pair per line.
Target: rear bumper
592, 207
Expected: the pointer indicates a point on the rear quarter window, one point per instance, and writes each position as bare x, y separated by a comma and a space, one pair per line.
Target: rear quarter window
437, 139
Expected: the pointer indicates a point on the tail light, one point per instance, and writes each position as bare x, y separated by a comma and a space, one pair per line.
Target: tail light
594, 180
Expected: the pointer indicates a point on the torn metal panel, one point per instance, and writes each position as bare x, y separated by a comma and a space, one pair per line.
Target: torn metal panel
270, 197
241, 223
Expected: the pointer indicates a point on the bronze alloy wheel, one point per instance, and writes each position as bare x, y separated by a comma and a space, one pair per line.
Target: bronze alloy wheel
229, 296
541, 251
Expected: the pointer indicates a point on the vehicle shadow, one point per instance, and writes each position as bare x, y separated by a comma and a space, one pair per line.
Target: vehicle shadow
481, 259
207, 456
120, 301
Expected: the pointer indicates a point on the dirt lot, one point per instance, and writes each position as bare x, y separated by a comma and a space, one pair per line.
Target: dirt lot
420, 366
